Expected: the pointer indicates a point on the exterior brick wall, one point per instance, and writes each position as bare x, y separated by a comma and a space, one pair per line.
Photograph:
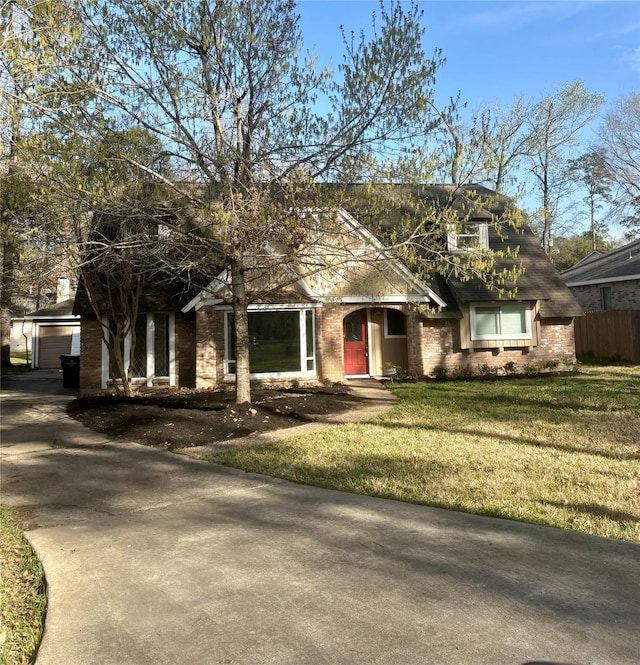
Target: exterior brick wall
441, 347
90, 355
624, 295
431, 343
329, 347
209, 348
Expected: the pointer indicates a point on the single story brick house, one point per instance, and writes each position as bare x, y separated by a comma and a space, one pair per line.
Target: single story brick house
365, 318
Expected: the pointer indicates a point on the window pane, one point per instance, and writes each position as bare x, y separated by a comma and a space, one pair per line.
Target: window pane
275, 341
139, 368
230, 341
396, 323
514, 320
487, 321
310, 340
161, 344
353, 327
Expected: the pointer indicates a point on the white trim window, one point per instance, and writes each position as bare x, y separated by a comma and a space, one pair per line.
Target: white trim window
281, 342
500, 321
468, 237
395, 324
154, 353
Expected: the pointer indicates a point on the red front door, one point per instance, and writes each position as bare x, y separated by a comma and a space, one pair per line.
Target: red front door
355, 342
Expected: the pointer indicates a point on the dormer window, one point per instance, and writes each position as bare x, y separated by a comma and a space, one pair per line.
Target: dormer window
468, 237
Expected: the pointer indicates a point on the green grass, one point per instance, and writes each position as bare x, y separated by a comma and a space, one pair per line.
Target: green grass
18, 364
560, 451
22, 594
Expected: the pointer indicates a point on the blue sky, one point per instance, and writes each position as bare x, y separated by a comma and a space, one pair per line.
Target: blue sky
500, 49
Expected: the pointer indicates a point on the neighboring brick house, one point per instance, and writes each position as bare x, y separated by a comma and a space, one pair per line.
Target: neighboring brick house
607, 286
368, 317
607, 281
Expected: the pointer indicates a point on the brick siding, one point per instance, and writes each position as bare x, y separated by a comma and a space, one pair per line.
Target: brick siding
209, 352
431, 343
329, 347
441, 347
90, 354
624, 295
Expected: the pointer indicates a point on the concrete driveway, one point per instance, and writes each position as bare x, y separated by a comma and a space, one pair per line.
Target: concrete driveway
154, 558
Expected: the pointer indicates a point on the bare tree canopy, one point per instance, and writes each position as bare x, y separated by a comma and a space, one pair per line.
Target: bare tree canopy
620, 138
240, 111
553, 126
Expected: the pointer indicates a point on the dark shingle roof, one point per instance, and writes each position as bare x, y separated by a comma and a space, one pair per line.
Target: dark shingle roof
614, 265
60, 310
539, 281
158, 296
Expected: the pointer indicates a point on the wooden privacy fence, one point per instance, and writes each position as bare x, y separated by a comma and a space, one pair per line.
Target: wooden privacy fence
611, 334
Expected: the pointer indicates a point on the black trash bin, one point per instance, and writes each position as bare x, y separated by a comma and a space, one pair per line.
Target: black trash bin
70, 372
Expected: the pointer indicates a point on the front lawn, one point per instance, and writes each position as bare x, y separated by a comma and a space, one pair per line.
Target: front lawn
560, 451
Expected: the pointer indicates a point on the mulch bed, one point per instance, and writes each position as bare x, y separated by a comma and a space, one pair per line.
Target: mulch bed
189, 418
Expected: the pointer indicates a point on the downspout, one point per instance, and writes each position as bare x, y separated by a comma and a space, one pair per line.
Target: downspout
26, 340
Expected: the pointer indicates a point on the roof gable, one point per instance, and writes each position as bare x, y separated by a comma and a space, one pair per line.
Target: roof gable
355, 268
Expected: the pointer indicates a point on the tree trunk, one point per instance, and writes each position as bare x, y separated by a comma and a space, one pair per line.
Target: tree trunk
594, 231
5, 333
6, 297
241, 329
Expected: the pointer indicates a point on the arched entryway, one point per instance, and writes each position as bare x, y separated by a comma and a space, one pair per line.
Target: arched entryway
374, 338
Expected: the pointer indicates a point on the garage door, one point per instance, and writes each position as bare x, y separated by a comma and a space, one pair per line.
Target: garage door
53, 342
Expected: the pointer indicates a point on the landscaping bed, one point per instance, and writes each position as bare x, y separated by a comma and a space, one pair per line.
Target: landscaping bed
189, 418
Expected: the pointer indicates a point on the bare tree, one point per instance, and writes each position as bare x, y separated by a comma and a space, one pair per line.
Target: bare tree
26, 65
225, 89
552, 128
620, 138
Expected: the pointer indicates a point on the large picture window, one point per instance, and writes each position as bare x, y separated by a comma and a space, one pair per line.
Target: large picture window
281, 342
508, 321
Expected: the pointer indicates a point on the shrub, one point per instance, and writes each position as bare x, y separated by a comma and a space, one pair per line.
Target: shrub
510, 367
532, 368
463, 373
487, 370
440, 372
